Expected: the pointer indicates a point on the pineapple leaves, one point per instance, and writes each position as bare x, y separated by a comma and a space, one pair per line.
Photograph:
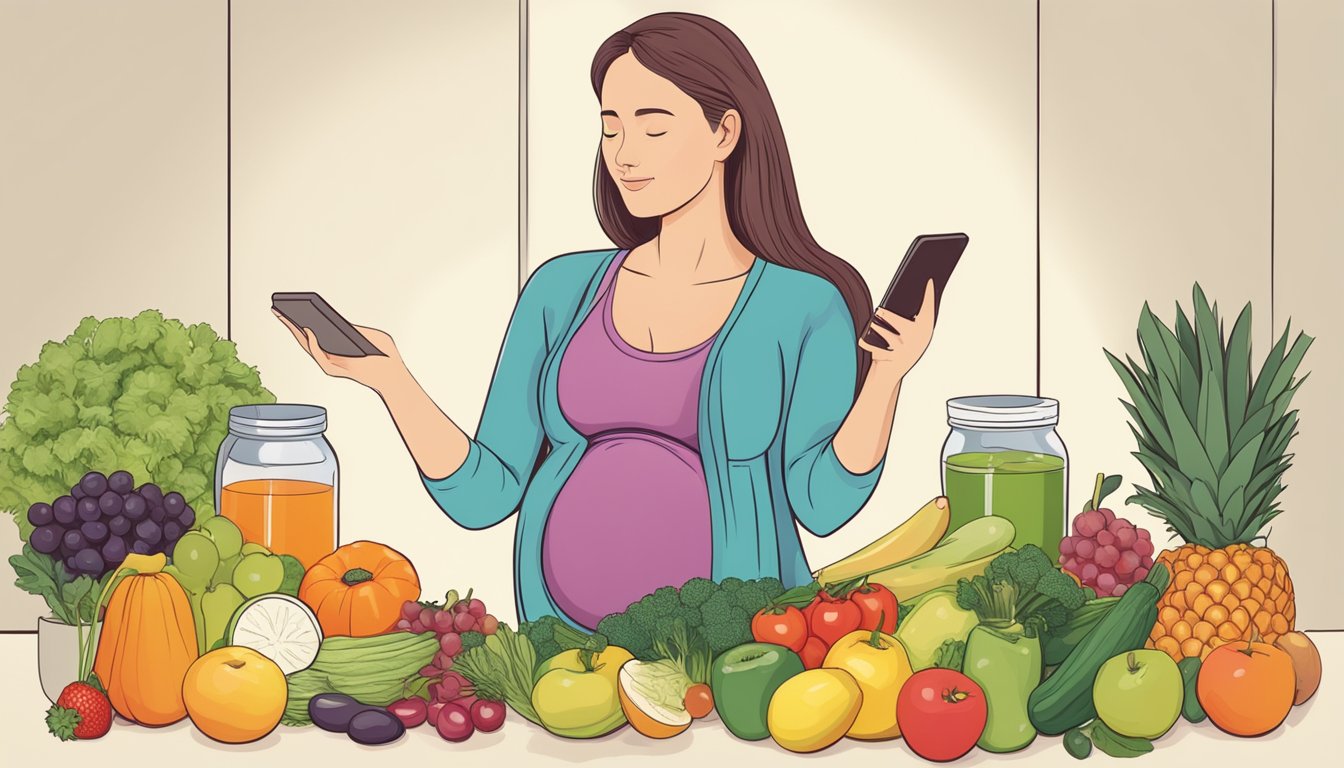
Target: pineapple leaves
1237, 382
1213, 438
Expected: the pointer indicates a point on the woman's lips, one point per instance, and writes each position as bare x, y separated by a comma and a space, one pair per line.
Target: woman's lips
634, 185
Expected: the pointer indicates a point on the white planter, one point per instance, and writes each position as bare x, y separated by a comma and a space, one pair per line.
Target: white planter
58, 654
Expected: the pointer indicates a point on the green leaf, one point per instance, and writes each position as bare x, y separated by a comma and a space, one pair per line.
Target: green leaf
1116, 745
1237, 381
1150, 421
1260, 391
1209, 516
42, 575
1289, 367
1213, 422
1190, 454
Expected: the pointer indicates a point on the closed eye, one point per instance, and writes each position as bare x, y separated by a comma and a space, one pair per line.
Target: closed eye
657, 134
608, 135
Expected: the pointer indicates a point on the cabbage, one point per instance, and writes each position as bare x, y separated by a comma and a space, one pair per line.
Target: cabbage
146, 394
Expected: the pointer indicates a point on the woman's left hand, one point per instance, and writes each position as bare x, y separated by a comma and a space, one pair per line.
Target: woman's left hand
907, 342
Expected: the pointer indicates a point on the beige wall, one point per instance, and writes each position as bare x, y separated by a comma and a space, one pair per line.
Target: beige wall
366, 168
112, 193
1308, 276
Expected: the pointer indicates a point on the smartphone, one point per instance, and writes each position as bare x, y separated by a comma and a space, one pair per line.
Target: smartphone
930, 257
335, 335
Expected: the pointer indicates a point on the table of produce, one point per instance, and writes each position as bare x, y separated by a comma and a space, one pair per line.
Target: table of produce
948, 642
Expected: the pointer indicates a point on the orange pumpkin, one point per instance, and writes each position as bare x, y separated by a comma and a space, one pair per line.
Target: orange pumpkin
358, 590
148, 642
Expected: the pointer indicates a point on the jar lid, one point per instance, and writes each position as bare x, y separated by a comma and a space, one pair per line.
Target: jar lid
1002, 412
277, 420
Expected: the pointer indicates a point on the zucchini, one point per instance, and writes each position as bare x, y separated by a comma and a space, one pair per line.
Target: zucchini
1064, 700
1058, 646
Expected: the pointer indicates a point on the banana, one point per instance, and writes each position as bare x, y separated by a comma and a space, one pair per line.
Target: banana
917, 535
963, 554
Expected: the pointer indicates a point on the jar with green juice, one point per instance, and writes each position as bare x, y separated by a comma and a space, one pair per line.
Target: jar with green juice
1003, 457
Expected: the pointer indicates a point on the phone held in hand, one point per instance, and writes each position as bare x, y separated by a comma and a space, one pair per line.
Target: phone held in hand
930, 257
335, 335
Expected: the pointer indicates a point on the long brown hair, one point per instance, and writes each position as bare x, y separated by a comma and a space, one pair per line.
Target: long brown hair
709, 63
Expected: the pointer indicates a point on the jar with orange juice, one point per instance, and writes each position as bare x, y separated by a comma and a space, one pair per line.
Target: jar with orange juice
276, 479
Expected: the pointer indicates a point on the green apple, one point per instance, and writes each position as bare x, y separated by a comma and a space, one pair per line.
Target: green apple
743, 679
1139, 693
579, 700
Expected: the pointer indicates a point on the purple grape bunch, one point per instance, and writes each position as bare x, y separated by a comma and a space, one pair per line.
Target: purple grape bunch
1106, 553
106, 517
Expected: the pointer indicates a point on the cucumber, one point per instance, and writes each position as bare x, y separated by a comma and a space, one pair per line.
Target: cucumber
1191, 709
1064, 700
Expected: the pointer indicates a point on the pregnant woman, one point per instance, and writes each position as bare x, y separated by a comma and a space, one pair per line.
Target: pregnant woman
675, 406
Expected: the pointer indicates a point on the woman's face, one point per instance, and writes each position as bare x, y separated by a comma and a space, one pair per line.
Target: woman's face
656, 143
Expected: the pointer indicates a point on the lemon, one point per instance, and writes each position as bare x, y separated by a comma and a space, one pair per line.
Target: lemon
813, 710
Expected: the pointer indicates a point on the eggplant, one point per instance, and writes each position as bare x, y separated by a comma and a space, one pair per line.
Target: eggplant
334, 711
375, 726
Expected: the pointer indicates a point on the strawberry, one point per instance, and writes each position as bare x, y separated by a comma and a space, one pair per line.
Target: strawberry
80, 712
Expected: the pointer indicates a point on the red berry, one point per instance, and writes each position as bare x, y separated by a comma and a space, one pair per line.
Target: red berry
451, 643
1105, 539
476, 608
489, 625
80, 712
1085, 549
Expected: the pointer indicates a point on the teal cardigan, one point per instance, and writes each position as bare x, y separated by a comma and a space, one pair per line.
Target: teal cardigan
778, 382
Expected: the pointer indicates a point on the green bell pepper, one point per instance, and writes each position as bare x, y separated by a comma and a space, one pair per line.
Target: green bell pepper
1006, 664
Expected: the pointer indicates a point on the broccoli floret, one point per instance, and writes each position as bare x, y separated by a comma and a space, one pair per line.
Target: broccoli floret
695, 592
751, 597
664, 602
731, 584
472, 640
1022, 587
773, 587
725, 624
549, 635
624, 631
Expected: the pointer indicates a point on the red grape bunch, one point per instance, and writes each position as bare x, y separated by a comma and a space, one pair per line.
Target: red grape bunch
1106, 553
460, 624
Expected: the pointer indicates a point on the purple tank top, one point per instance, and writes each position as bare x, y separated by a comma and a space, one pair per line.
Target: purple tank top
634, 514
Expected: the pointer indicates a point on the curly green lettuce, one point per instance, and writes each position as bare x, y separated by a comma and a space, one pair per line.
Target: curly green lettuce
146, 394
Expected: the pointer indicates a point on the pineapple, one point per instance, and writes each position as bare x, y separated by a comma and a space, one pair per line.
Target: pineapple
1215, 444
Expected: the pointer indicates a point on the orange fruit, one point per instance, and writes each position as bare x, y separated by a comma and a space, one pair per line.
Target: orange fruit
1246, 688
234, 694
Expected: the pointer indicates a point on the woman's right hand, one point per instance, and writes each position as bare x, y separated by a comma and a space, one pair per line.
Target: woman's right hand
376, 373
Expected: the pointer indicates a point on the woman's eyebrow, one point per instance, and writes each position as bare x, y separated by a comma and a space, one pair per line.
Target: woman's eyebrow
639, 112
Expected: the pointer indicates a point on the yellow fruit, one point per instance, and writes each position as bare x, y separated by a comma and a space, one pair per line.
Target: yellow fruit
1229, 592
814, 709
880, 666
234, 694
917, 535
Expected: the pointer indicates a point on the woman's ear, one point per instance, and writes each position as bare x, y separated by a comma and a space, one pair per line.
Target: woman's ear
728, 133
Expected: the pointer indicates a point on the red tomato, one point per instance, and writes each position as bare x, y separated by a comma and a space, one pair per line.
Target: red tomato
877, 605
941, 713
833, 619
813, 653
787, 627
811, 608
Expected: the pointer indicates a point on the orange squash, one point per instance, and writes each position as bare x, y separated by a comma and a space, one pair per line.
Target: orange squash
148, 642
358, 590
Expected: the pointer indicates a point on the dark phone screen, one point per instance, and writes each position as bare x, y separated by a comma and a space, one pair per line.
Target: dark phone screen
930, 257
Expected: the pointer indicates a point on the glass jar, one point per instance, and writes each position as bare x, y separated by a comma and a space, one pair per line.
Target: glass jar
1003, 457
276, 479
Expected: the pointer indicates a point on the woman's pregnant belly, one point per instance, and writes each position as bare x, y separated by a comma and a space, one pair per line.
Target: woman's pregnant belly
633, 517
